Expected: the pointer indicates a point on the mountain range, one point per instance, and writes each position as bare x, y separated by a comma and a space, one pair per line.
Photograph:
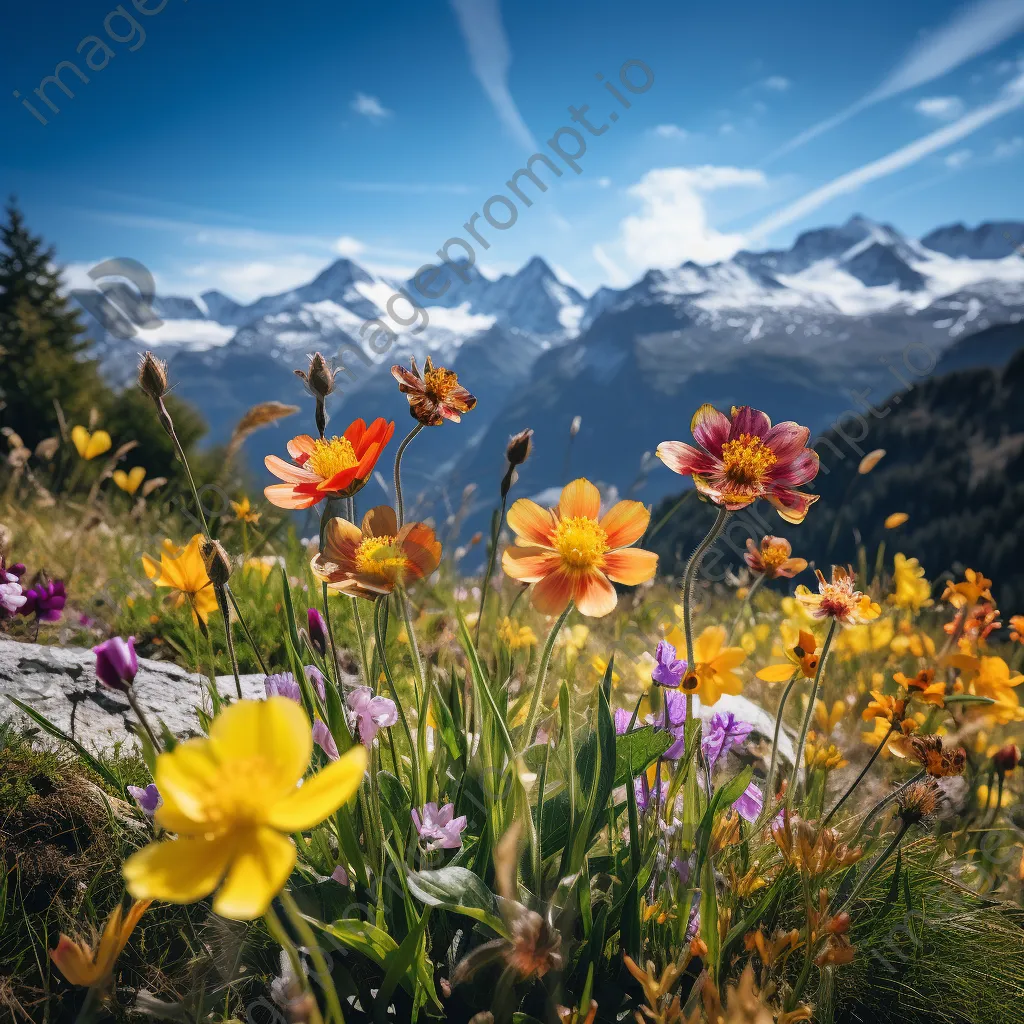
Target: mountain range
847, 315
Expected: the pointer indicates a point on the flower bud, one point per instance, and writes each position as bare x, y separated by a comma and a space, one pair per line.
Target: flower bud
1006, 758
518, 450
117, 663
317, 631
319, 377
218, 565
153, 376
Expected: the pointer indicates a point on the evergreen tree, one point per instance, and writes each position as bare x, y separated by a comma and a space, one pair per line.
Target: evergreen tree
41, 339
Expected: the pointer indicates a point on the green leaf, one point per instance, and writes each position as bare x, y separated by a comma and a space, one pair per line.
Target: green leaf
967, 698
635, 750
459, 890
398, 962
395, 798
709, 918
483, 686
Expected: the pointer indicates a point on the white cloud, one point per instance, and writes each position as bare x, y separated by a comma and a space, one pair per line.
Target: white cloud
958, 158
617, 277
727, 129
348, 246
1005, 148
484, 33
248, 279
942, 108
673, 226
370, 106
975, 29
604, 182
777, 83
670, 131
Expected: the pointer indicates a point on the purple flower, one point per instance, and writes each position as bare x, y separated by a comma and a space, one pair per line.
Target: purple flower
282, 684
324, 740
673, 718
47, 600
316, 677
317, 631
340, 875
371, 713
722, 733
622, 718
749, 805
12, 597
439, 826
116, 663
669, 670
149, 799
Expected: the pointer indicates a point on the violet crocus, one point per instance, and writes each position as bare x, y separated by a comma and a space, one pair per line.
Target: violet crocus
317, 631
723, 732
673, 719
46, 600
117, 664
12, 597
750, 803
622, 718
668, 670
282, 684
439, 827
648, 795
324, 740
316, 678
370, 713
148, 799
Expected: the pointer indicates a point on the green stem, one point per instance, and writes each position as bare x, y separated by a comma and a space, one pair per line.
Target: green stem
751, 591
769, 782
485, 586
691, 571
143, 721
879, 861
399, 505
882, 804
799, 753
229, 640
857, 781
382, 652
330, 637
305, 933
542, 671
245, 630
165, 418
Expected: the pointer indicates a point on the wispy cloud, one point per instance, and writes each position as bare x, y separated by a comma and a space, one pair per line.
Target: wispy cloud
1006, 148
409, 188
484, 33
370, 107
958, 158
975, 29
777, 83
942, 108
670, 131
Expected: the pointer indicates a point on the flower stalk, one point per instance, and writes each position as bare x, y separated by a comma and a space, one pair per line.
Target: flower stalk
860, 776
399, 504
542, 670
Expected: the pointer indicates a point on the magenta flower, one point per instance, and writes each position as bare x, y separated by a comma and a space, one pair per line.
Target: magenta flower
149, 799
317, 631
46, 600
669, 670
742, 457
117, 663
370, 713
439, 826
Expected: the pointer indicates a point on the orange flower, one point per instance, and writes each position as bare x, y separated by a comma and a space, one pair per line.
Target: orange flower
372, 561
838, 600
889, 709
334, 468
803, 658
923, 687
1017, 628
91, 964
573, 555
435, 395
772, 560
970, 591
938, 761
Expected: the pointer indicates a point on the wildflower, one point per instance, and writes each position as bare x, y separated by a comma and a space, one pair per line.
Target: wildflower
712, 664
880, 732
262, 566
781, 945
243, 511
673, 718
599, 666
182, 571
517, 452
870, 460
323, 738
1017, 629
744, 458
516, 636
866, 637
811, 851
822, 755
990, 676
968, 591
153, 376
773, 558
890, 709
838, 600
895, 520
335, 468
1006, 759
90, 964
45, 600
913, 592
621, 718
572, 555
90, 445
668, 670
723, 732
989, 797
12, 597
917, 802
317, 631
233, 799
749, 803
439, 826
340, 875
828, 720
131, 481
803, 658
148, 798
977, 624
435, 395
117, 663
908, 641
373, 560
573, 640
928, 751
370, 713
923, 687
283, 684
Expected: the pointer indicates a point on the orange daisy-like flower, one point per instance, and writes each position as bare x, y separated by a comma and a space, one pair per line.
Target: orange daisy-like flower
773, 558
334, 468
373, 560
744, 458
969, 591
889, 709
435, 395
836, 599
573, 552
923, 687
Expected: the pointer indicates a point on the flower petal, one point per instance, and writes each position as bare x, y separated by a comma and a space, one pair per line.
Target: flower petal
341, 539
355, 432
791, 505
289, 473
747, 420
631, 566
178, 870
625, 522
380, 521
256, 875
580, 498
686, 460
531, 523
593, 593
802, 468
710, 429
777, 673
287, 496
553, 592
786, 439
300, 448
98, 444
80, 439
322, 794
529, 564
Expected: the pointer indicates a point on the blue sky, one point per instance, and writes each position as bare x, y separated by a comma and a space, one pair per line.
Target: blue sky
243, 145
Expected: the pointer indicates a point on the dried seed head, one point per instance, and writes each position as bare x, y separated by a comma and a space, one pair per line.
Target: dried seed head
153, 376
518, 450
319, 378
918, 801
218, 565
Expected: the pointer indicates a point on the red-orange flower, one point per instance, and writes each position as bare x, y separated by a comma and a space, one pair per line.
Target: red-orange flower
373, 560
573, 552
435, 395
773, 558
744, 458
334, 468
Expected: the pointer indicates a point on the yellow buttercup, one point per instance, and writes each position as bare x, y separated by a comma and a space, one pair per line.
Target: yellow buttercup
131, 481
90, 445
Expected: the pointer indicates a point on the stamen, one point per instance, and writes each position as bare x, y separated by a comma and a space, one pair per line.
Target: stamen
330, 457
581, 542
747, 459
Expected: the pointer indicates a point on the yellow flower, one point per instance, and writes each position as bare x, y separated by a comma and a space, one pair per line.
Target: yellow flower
896, 519
264, 566
801, 650
91, 964
820, 754
573, 640
516, 636
748, 642
989, 801
129, 482
234, 798
183, 572
599, 666
243, 511
969, 591
713, 663
90, 445
869, 636
878, 733
913, 591
836, 599
891, 710
907, 641
828, 720
991, 677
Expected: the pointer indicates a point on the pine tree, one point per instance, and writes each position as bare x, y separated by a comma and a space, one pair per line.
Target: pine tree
41, 339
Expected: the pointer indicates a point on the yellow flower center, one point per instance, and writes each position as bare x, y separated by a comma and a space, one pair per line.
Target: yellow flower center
380, 556
747, 459
330, 457
773, 555
440, 383
581, 542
